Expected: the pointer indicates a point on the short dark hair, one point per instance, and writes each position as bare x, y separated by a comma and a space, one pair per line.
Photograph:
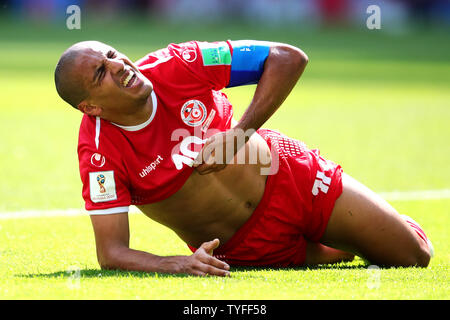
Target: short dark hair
70, 91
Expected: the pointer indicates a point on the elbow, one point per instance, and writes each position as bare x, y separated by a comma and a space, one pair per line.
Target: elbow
106, 263
294, 58
301, 56
299, 59
108, 260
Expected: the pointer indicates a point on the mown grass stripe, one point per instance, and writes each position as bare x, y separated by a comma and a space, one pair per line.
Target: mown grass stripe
390, 196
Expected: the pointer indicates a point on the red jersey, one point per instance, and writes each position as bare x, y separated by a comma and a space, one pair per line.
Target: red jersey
142, 164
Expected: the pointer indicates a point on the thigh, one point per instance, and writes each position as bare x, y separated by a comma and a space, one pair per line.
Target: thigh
366, 225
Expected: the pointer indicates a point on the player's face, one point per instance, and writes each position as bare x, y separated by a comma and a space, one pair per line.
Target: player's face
112, 80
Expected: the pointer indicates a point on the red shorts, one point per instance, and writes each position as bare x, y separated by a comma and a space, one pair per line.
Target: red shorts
296, 206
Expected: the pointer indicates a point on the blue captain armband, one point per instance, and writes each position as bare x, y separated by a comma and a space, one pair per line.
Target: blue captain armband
247, 62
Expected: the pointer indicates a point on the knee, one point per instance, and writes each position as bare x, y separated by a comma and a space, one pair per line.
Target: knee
424, 256
420, 257
348, 257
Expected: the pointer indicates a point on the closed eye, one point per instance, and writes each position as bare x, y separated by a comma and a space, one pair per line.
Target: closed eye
100, 72
111, 54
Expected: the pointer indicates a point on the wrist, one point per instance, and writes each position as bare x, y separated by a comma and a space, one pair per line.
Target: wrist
177, 264
244, 129
170, 264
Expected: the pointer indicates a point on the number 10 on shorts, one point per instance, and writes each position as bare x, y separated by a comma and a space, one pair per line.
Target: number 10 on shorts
321, 183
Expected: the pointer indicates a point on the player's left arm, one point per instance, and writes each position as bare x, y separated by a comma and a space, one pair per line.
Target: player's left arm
281, 70
317, 253
276, 68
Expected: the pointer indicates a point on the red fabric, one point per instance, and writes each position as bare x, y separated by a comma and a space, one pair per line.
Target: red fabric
144, 162
289, 213
416, 227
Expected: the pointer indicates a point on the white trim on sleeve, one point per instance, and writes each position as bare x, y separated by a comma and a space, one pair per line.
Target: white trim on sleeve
109, 211
97, 131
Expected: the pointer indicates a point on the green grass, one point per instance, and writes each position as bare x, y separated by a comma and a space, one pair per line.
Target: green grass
377, 104
37, 264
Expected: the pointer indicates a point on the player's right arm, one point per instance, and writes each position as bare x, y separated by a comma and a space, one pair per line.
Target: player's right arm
112, 237
107, 199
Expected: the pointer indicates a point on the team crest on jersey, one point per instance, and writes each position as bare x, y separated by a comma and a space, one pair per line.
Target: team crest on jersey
193, 113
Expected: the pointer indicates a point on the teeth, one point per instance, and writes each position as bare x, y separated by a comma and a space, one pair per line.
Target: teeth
128, 78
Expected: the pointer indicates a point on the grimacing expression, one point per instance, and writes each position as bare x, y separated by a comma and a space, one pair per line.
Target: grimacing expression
112, 81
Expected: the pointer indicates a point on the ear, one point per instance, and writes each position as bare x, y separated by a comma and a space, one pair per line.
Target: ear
89, 109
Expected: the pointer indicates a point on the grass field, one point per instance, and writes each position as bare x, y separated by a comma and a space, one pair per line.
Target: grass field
378, 104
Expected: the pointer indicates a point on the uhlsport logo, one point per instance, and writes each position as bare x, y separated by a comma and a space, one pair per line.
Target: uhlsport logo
189, 55
101, 182
193, 113
152, 166
98, 160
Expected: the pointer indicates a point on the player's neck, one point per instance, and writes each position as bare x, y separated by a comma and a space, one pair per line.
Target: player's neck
140, 114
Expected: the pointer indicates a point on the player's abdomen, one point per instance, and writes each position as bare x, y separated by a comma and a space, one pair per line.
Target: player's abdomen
216, 205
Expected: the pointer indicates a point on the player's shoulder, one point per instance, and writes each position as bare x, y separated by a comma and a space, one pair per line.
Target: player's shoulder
88, 125
93, 130
164, 55
185, 52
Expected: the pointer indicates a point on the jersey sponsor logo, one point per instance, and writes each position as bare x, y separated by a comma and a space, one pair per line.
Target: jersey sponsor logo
193, 113
152, 166
189, 55
102, 186
98, 160
215, 54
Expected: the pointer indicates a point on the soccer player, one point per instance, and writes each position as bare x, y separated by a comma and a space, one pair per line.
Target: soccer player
159, 134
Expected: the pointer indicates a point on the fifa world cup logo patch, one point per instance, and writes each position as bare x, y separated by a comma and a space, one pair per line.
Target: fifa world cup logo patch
193, 113
102, 186
101, 182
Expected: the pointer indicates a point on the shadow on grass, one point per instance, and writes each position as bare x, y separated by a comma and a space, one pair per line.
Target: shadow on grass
335, 266
97, 273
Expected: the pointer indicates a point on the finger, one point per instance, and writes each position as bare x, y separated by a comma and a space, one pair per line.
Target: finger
196, 163
203, 269
202, 158
213, 261
203, 167
198, 273
204, 172
206, 155
210, 246
215, 271
206, 168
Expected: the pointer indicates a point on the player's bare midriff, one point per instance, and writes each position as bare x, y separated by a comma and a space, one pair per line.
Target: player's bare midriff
215, 205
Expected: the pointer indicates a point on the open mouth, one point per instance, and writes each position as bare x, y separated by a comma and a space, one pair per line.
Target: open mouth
129, 80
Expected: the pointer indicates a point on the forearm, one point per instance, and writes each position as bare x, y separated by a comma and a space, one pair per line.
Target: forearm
282, 69
200, 263
135, 260
317, 253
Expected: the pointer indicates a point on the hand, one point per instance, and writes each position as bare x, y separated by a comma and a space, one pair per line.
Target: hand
219, 150
202, 263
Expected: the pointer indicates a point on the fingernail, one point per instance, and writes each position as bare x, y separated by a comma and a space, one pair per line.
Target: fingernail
227, 267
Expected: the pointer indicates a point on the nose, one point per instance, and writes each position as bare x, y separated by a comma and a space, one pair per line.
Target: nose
116, 65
